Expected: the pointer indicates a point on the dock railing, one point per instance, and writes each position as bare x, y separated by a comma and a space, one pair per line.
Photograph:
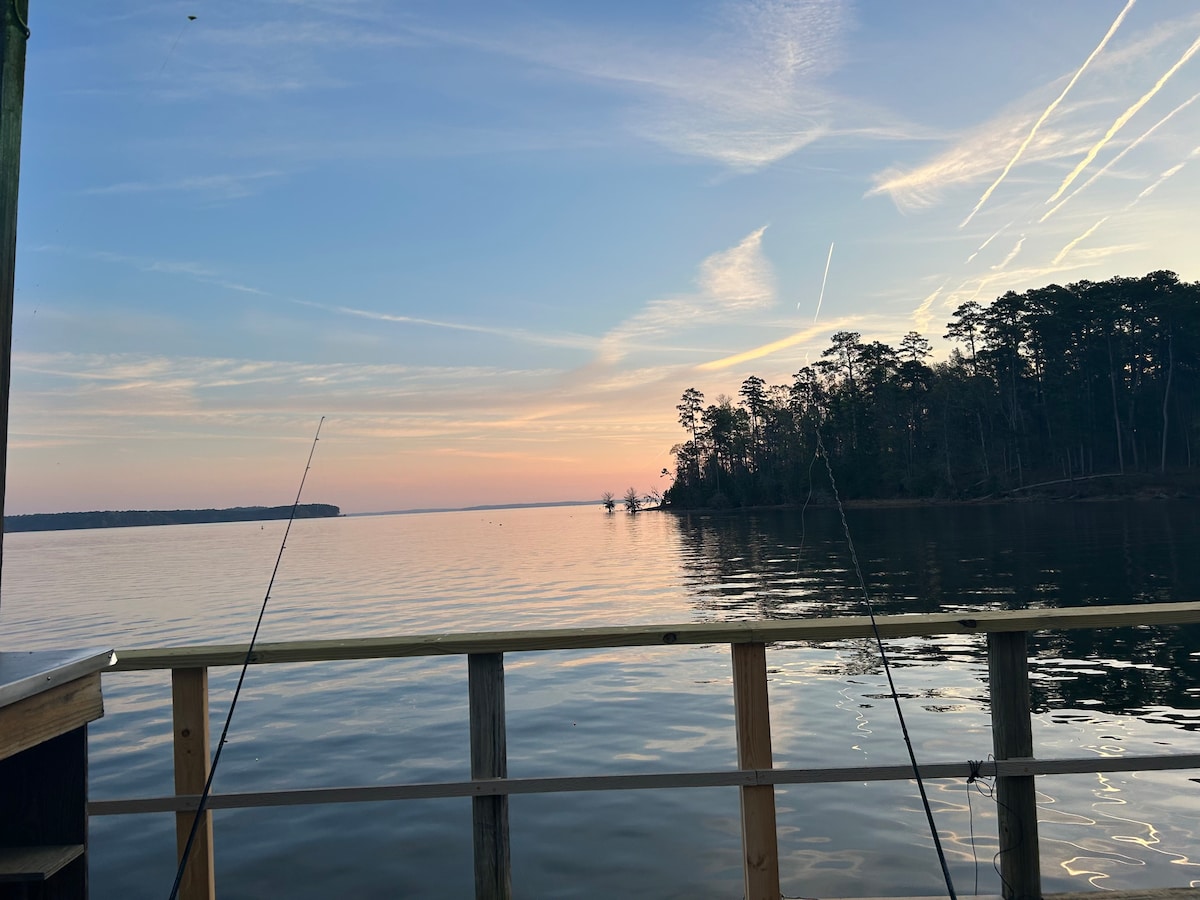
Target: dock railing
1015, 767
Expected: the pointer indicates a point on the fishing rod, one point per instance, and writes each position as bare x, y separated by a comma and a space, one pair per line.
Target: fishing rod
887, 669
187, 848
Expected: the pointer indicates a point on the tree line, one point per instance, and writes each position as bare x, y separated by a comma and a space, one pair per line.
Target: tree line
137, 517
1053, 383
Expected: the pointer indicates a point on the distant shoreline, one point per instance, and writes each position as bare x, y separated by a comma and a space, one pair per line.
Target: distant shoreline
486, 507
70, 521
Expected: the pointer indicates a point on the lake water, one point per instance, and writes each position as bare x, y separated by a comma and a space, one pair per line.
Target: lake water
631, 710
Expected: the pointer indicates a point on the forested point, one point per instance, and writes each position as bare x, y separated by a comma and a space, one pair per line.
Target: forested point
1057, 384
127, 518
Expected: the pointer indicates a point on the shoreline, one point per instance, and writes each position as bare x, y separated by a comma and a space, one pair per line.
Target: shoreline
1140, 487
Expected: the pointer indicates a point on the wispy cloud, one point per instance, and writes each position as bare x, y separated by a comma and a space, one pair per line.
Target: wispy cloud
977, 154
744, 84
1124, 118
578, 341
740, 278
722, 281
922, 318
146, 264
88, 375
746, 91
732, 283
196, 271
1048, 110
224, 186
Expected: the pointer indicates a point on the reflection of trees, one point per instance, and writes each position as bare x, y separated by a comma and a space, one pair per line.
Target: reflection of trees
1122, 668
785, 564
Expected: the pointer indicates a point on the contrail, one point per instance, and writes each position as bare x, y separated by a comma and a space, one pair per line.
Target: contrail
999, 267
1116, 159
758, 352
1123, 118
921, 315
1164, 176
1083, 237
1161, 178
824, 279
988, 241
1049, 109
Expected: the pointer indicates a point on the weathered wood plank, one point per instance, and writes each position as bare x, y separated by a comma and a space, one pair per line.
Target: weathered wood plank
565, 784
189, 705
754, 631
1012, 735
36, 863
34, 720
489, 759
752, 714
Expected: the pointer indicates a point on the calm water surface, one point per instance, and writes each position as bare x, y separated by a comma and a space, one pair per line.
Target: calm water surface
636, 710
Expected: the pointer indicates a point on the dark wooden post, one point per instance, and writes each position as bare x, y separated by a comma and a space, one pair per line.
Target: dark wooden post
760, 843
1012, 738
189, 704
489, 759
14, 17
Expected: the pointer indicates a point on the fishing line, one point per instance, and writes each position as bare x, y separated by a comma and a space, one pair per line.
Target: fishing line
1019, 837
187, 848
170, 53
976, 765
803, 510
887, 668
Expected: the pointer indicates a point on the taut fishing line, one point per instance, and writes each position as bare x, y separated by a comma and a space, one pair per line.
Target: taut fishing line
187, 848
171, 52
887, 668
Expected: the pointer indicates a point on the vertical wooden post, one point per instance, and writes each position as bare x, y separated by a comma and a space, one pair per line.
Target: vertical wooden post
489, 759
1012, 737
760, 842
189, 703
13, 32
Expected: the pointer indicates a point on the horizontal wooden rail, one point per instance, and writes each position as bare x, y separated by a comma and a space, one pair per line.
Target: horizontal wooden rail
751, 631
1006, 631
734, 778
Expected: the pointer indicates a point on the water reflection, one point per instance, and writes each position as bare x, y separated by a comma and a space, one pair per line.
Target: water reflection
633, 710
793, 564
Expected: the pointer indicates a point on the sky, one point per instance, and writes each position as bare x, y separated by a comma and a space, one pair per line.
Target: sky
493, 243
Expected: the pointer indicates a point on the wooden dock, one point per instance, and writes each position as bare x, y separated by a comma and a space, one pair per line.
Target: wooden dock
1015, 767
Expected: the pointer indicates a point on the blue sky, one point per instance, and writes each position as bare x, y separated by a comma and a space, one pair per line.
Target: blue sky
493, 243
